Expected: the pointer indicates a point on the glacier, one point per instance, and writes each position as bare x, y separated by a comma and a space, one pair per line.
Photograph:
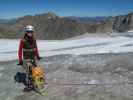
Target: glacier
80, 46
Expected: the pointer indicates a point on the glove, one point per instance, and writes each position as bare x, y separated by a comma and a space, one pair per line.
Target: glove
20, 63
39, 58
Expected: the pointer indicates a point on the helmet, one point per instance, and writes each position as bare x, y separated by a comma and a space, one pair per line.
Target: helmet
29, 28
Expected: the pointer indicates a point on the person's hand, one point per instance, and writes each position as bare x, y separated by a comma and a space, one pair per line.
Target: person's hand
20, 63
39, 58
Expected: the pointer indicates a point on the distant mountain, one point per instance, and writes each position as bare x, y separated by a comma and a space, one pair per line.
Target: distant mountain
7, 21
52, 26
88, 19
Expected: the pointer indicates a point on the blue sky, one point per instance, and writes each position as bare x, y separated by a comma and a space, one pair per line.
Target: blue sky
16, 8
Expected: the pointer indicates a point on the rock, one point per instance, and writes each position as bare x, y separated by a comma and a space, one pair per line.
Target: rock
123, 23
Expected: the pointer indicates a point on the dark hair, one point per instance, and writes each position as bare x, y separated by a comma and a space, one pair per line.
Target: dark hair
27, 38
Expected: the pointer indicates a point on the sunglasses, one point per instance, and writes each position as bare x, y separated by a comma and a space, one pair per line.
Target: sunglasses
29, 31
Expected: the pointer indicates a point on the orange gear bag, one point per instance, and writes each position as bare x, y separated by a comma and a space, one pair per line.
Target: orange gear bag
37, 72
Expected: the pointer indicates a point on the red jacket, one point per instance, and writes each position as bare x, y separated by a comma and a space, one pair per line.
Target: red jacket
20, 51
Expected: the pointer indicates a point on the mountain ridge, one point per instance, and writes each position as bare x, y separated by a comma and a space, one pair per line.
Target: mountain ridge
51, 26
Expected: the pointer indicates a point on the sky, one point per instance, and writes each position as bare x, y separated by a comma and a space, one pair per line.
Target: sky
82, 8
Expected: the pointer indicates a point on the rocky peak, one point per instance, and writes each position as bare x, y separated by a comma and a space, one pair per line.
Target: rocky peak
51, 15
123, 23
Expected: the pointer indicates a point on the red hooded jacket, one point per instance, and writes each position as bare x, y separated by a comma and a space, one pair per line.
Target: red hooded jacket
20, 51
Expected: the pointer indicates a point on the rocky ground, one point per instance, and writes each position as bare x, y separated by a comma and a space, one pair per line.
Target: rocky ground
69, 77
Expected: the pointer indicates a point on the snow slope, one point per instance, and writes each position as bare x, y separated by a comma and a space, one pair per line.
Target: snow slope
79, 46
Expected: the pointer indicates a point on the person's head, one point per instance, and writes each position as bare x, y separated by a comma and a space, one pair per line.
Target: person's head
29, 30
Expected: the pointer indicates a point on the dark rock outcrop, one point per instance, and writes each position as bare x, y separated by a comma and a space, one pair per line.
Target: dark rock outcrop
123, 23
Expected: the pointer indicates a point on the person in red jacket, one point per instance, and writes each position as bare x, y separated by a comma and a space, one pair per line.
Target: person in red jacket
28, 50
